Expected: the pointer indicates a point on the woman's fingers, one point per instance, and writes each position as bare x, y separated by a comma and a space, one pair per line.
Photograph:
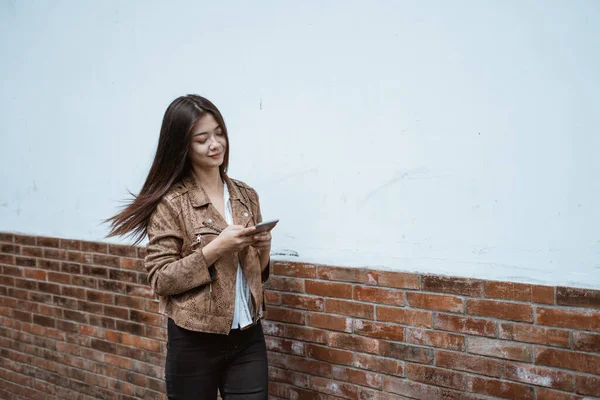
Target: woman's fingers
246, 231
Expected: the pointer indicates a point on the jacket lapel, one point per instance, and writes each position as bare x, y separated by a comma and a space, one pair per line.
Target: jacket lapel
240, 207
242, 214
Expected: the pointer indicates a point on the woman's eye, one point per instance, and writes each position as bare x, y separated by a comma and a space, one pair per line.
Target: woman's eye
220, 132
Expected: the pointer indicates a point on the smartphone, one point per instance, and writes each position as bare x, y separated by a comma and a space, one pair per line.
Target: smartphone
264, 226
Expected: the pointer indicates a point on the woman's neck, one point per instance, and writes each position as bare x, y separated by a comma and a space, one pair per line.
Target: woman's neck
210, 179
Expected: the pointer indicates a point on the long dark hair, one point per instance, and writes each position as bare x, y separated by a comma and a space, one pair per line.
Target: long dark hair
171, 163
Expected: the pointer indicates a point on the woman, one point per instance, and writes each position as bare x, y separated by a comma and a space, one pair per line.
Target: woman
204, 262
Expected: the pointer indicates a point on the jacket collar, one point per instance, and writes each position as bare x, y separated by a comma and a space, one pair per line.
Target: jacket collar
198, 196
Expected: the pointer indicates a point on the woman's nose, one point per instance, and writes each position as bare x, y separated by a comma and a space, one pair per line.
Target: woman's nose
214, 144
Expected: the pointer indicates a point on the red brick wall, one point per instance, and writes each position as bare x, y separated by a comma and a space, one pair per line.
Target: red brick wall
79, 322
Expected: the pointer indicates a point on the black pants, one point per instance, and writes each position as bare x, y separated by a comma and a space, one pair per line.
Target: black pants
198, 363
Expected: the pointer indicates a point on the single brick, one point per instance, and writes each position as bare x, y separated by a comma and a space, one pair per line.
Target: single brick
443, 340
467, 363
37, 274
285, 315
379, 295
519, 292
538, 376
7, 237
68, 244
341, 274
299, 364
393, 279
588, 385
534, 334
379, 330
502, 389
303, 302
272, 297
501, 310
328, 354
48, 242
415, 390
122, 250
25, 240
363, 378
578, 297
278, 390
468, 325
289, 377
435, 302
452, 285
109, 261
94, 247
334, 388
378, 364
350, 308
305, 334
32, 251
437, 377
352, 342
329, 289
548, 394
55, 254
586, 342
500, 349
575, 319
330, 322
404, 316
583, 362
132, 264
400, 351
295, 269
286, 284
10, 249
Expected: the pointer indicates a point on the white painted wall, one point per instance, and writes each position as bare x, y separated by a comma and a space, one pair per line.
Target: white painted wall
453, 137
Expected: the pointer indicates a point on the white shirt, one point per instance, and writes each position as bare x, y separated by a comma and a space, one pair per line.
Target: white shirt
242, 314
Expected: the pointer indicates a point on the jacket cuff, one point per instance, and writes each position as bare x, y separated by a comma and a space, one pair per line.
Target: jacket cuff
266, 271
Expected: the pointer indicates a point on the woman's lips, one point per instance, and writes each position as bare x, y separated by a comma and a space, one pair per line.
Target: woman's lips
216, 155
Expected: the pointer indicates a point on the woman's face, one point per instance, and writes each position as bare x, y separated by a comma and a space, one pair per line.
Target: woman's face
208, 143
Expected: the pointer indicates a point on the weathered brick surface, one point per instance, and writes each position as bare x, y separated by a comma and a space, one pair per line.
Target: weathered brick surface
520, 292
578, 297
452, 285
78, 320
469, 363
500, 310
393, 279
468, 325
379, 295
569, 318
534, 334
500, 349
437, 302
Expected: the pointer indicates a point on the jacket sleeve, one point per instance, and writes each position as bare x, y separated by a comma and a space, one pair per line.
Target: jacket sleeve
267, 270
168, 272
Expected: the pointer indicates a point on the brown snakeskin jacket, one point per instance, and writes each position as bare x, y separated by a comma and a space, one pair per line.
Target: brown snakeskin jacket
195, 295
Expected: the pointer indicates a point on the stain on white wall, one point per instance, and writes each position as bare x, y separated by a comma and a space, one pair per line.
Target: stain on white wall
456, 138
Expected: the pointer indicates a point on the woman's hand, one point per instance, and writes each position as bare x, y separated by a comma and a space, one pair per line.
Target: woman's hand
233, 239
262, 241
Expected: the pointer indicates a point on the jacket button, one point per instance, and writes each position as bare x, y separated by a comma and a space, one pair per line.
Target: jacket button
245, 214
209, 221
